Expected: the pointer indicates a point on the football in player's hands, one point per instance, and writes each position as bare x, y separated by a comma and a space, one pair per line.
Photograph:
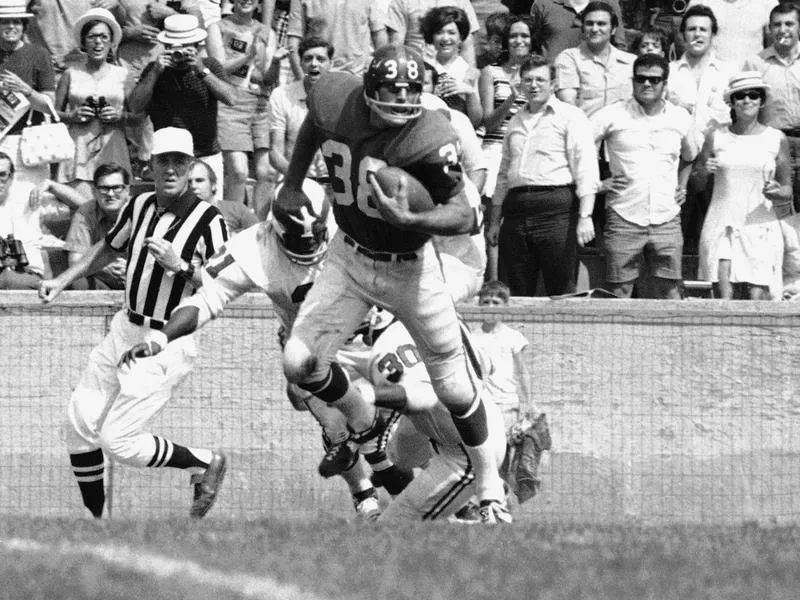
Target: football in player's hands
419, 200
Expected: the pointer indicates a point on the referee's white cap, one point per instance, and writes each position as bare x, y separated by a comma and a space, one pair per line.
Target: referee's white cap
173, 139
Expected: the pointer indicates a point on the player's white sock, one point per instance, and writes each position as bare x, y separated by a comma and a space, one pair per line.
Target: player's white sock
474, 431
488, 483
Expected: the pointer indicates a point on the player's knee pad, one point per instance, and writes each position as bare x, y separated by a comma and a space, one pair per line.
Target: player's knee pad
331, 387
456, 393
299, 364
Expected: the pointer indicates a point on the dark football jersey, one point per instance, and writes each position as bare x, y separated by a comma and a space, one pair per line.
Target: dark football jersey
427, 148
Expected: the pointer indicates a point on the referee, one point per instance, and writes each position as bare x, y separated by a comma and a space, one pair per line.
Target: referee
166, 236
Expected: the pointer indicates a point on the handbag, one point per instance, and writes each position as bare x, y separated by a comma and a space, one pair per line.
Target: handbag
47, 143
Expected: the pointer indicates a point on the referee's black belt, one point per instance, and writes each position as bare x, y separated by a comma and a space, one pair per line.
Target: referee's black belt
321, 180
138, 319
526, 189
792, 132
380, 256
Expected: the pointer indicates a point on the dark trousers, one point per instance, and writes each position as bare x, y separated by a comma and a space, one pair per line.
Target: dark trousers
538, 236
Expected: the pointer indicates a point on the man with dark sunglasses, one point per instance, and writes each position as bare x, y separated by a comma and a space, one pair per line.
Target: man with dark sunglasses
648, 141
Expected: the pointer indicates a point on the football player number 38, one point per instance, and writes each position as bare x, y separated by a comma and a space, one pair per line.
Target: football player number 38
339, 161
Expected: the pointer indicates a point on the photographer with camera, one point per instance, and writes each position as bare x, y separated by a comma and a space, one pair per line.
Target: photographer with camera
181, 89
90, 98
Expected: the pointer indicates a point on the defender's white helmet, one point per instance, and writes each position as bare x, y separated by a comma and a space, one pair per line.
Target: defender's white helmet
304, 238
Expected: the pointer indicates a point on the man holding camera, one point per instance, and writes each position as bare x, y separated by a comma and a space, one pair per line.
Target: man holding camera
181, 89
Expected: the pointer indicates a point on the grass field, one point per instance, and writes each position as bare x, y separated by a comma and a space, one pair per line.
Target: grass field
330, 560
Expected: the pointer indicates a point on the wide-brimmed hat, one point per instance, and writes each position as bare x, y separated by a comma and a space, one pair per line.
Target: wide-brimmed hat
14, 9
102, 15
172, 139
746, 80
181, 30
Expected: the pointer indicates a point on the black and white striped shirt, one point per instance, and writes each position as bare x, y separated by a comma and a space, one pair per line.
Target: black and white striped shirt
196, 230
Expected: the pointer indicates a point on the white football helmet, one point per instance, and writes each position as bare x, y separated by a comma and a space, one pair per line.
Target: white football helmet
304, 238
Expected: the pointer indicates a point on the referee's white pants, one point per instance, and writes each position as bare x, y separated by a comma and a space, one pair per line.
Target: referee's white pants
110, 407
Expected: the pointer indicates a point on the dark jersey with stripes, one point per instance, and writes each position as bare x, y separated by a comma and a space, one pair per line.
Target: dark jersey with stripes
427, 148
196, 230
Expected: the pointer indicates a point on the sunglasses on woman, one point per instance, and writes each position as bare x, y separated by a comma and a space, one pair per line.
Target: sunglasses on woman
751, 94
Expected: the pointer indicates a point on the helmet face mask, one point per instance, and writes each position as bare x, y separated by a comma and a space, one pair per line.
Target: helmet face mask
374, 324
393, 83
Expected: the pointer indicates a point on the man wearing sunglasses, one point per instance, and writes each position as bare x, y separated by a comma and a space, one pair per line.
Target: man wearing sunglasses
648, 142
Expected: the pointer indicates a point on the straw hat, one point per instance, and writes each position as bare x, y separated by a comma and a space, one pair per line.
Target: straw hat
746, 80
14, 9
102, 15
181, 30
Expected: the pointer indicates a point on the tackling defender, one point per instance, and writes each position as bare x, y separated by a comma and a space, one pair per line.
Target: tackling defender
401, 383
382, 253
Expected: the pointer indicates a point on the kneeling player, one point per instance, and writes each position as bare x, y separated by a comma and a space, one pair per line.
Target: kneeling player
401, 382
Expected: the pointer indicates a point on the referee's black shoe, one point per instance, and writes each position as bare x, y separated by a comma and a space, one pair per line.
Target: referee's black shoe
207, 484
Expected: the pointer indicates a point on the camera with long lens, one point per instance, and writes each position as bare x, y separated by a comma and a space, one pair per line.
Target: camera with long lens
12, 254
679, 6
96, 104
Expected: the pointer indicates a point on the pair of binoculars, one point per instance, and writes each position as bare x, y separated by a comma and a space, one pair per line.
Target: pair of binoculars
96, 104
12, 254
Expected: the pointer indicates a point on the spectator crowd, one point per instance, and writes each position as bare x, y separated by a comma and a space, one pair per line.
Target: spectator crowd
586, 139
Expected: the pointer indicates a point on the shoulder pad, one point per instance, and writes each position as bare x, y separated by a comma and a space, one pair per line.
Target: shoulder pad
431, 131
336, 103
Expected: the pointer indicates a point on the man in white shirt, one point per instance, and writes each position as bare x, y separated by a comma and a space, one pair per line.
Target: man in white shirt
779, 65
647, 140
697, 82
545, 189
742, 27
288, 108
594, 73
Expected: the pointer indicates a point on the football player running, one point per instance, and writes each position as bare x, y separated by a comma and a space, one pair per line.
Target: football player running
282, 261
382, 253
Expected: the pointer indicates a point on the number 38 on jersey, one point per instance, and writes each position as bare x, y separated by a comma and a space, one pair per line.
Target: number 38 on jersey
352, 187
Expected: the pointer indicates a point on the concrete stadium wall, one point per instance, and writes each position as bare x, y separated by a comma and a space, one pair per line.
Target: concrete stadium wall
660, 412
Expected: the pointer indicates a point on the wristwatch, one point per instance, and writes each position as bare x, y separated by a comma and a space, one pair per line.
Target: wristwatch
186, 271
204, 73
585, 215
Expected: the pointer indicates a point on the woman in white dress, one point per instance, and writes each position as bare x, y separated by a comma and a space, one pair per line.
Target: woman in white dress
741, 245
